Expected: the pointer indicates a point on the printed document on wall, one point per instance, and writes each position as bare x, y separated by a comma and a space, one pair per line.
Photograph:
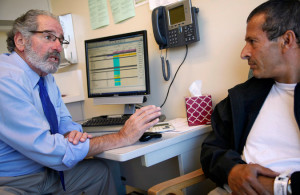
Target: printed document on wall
98, 13
122, 9
156, 3
140, 2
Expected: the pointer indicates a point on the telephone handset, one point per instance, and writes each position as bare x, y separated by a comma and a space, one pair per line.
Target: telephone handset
159, 27
175, 24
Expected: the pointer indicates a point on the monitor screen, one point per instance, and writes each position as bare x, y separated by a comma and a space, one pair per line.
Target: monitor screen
118, 65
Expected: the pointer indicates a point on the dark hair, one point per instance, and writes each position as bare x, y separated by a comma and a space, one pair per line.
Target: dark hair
25, 23
281, 15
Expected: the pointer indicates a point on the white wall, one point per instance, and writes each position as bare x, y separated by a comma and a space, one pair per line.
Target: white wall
3, 36
11, 9
215, 59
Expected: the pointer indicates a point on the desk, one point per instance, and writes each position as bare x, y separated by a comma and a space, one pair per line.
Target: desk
145, 164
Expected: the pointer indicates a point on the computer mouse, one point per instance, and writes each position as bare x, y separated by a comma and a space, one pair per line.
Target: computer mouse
149, 135
162, 118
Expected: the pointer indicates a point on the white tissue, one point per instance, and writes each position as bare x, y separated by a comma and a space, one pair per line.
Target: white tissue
195, 88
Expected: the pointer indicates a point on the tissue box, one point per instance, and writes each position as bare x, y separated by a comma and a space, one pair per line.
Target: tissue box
198, 110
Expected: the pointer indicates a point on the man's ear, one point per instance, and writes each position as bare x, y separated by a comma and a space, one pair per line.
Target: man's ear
19, 41
289, 40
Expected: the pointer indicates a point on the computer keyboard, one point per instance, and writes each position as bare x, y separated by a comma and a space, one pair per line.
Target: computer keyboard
106, 120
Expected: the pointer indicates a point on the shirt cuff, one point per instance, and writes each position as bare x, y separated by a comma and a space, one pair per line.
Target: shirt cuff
67, 126
76, 153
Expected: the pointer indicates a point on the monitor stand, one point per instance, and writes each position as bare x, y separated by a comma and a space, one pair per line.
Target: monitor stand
129, 108
128, 101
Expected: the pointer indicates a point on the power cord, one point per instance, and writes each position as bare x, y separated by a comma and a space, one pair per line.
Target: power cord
186, 52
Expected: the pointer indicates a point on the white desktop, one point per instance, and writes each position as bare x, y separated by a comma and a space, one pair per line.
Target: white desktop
145, 164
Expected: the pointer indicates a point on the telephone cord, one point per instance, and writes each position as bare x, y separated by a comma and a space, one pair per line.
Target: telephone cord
186, 46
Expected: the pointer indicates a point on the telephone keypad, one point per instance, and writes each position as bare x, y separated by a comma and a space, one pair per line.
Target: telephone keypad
173, 37
188, 32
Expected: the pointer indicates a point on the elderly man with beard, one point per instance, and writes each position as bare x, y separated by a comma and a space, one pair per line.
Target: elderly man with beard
31, 157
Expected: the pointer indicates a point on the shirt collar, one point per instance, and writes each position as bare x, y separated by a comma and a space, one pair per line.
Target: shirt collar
34, 77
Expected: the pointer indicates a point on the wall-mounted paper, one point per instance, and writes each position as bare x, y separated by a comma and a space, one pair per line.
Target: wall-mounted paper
155, 3
122, 10
98, 13
140, 2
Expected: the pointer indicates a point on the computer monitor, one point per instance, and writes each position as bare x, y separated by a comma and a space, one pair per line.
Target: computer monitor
117, 69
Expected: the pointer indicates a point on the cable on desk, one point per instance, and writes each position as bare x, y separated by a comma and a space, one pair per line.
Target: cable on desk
186, 46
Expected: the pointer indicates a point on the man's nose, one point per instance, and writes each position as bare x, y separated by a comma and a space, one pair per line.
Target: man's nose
57, 45
245, 54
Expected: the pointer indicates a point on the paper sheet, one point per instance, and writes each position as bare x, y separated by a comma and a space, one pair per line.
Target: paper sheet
155, 3
181, 125
122, 10
98, 13
140, 2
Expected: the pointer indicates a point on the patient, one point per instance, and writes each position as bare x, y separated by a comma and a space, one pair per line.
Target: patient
255, 144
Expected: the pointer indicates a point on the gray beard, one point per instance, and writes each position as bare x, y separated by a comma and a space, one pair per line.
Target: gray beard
41, 63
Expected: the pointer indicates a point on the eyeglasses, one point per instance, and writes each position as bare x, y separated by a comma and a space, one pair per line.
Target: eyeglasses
49, 36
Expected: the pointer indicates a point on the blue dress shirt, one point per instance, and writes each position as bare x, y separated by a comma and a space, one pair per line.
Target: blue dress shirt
26, 144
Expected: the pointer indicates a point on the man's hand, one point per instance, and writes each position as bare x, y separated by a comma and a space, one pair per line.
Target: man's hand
139, 122
251, 179
132, 130
76, 136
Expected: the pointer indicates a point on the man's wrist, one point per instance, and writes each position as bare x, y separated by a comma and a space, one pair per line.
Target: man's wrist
282, 185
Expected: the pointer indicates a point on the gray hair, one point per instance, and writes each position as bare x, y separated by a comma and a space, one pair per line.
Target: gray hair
24, 24
281, 15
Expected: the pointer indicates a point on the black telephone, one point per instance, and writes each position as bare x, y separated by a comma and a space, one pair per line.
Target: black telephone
175, 24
